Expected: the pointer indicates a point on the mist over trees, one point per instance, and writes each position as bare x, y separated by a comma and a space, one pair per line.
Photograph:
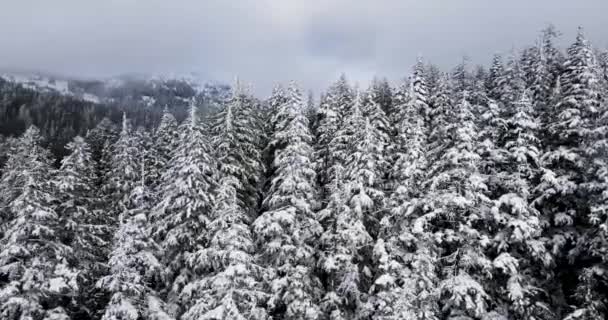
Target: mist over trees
478, 193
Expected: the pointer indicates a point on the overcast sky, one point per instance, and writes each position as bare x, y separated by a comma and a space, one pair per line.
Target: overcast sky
265, 41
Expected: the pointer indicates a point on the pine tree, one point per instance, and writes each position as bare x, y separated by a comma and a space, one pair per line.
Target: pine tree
100, 139
235, 138
406, 279
452, 209
330, 118
17, 164
232, 289
410, 143
165, 142
133, 264
269, 120
181, 217
36, 277
286, 229
460, 79
356, 215
590, 294
341, 244
517, 249
441, 114
495, 81
82, 217
528, 60
559, 194
383, 95
377, 117
401, 101
513, 84
123, 174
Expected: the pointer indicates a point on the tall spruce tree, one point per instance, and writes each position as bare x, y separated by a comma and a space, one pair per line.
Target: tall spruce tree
86, 224
100, 139
235, 139
232, 288
181, 218
330, 118
123, 174
133, 263
517, 249
559, 194
165, 142
452, 209
37, 280
406, 279
286, 230
346, 240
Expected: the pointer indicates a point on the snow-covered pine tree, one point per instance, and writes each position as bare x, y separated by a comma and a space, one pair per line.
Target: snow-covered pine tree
123, 173
100, 139
311, 108
330, 117
401, 100
13, 175
286, 230
492, 123
346, 240
276, 100
164, 144
133, 263
144, 140
383, 95
232, 289
513, 85
460, 80
517, 248
181, 217
452, 209
37, 280
442, 113
341, 242
433, 74
591, 300
235, 138
86, 225
528, 59
559, 194
478, 88
366, 163
410, 141
406, 281
593, 244
269, 120
381, 131
495, 81
376, 115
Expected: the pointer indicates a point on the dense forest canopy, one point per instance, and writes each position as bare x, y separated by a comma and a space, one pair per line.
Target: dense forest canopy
478, 193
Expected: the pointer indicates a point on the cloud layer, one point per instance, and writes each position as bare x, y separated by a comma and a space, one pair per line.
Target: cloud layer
265, 41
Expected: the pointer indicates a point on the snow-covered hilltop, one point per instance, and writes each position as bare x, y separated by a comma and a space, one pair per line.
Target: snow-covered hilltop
130, 88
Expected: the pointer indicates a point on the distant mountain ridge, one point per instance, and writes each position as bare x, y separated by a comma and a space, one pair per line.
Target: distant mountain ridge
128, 88
63, 107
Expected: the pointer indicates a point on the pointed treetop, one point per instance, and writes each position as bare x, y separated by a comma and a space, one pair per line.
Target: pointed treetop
358, 103
277, 90
580, 36
192, 116
419, 63
125, 123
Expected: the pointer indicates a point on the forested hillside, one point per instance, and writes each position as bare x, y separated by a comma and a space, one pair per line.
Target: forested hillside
472, 193
64, 108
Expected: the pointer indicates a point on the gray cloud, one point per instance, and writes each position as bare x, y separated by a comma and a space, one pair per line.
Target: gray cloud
265, 41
